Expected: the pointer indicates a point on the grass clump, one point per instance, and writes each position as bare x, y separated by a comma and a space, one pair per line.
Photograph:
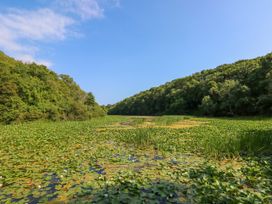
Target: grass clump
256, 142
232, 138
167, 120
141, 137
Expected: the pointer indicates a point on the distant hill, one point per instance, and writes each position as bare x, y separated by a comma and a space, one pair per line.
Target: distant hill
241, 88
31, 92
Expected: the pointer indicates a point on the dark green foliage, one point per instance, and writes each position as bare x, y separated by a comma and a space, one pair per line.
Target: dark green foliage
29, 92
242, 88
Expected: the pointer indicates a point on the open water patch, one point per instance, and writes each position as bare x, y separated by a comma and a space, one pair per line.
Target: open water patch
97, 169
133, 159
158, 158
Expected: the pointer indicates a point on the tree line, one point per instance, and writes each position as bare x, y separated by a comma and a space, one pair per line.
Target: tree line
242, 88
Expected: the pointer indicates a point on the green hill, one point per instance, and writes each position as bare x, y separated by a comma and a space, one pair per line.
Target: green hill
30, 92
241, 88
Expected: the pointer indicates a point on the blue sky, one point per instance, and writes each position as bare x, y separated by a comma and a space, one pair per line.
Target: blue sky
116, 48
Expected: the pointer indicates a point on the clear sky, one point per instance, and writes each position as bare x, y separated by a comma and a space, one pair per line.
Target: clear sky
116, 48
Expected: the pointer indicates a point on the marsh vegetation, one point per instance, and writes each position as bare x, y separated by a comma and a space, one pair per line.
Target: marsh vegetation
122, 159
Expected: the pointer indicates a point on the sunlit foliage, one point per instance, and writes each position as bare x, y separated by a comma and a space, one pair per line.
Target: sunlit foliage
30, 92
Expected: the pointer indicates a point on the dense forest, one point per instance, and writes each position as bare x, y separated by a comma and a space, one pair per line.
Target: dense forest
30, 92
241, 88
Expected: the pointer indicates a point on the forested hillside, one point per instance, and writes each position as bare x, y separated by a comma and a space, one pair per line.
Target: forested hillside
241, 88
30, 92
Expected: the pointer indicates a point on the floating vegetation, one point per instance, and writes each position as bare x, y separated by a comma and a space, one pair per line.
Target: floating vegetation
216, 161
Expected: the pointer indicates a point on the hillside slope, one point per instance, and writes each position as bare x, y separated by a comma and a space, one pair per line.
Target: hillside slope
31, 92
241, 88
